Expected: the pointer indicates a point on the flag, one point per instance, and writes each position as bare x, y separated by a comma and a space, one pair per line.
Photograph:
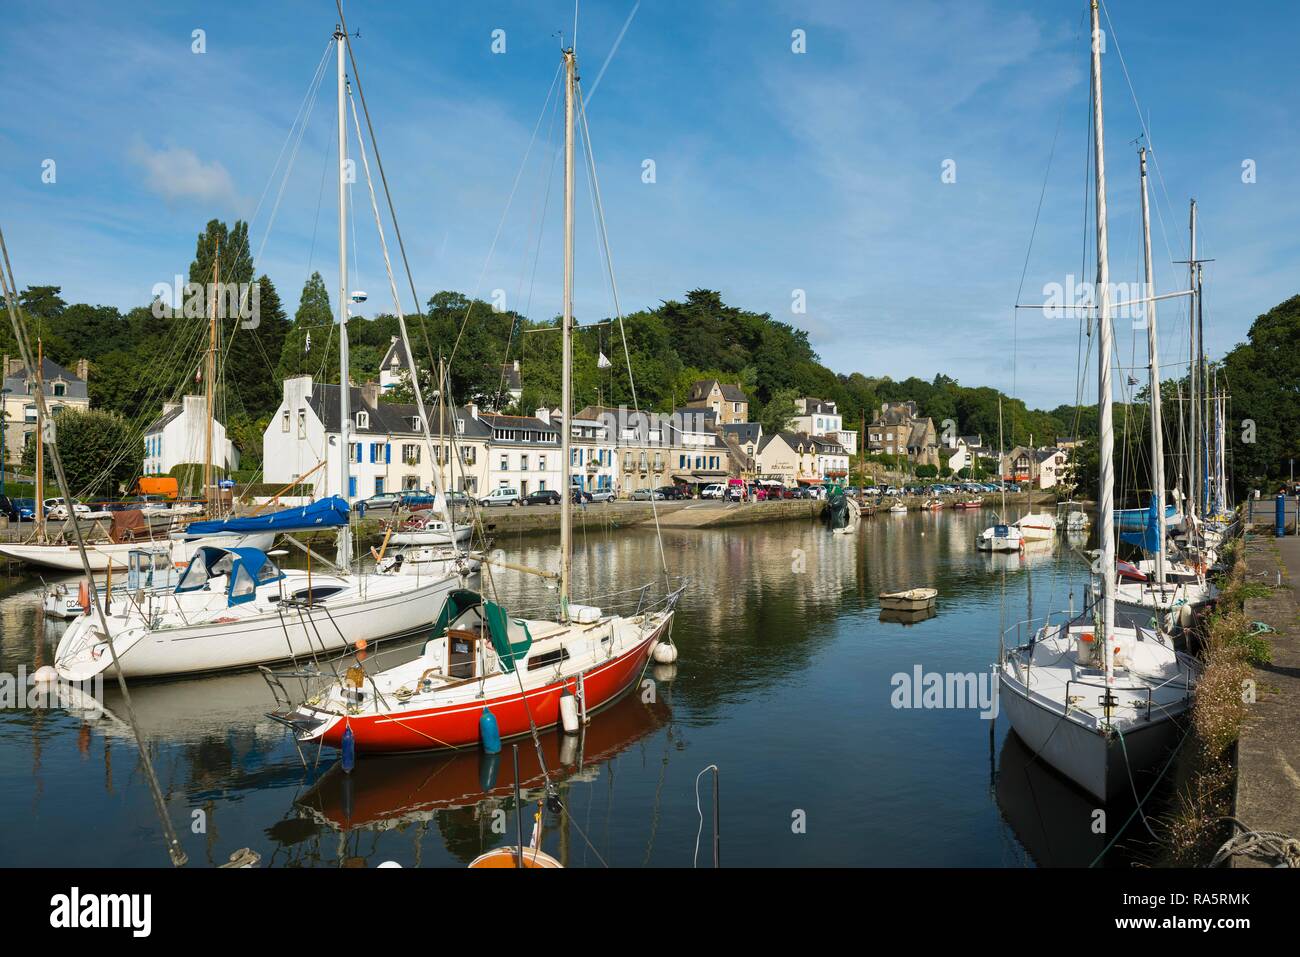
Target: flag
603, 362
1132, 380
307, 345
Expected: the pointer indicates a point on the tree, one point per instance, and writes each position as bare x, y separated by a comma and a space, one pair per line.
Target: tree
778, 411
311, 344
101, 452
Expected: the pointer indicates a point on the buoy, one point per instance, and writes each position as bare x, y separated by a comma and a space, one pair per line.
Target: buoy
360, 644
569, 712
665, 653
488, 732
349, 750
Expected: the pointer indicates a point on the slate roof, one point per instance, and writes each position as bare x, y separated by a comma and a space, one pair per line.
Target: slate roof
386, 417
50, 371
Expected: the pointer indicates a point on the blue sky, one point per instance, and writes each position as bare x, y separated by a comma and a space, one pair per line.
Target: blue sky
775, 171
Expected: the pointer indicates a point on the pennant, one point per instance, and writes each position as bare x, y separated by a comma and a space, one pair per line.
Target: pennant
603, 362
307, 345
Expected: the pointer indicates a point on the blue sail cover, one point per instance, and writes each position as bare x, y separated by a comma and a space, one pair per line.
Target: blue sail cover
1138, 519
329, 512
1148, 539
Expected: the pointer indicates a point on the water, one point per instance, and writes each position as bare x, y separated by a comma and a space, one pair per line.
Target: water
784, 682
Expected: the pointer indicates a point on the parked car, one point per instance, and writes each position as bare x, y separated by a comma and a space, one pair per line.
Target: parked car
505, 495
715, 490
55, 508
580, 495
546, 496
26, 509
9, 508
601, 495
382, 500
414, 498
647, 495
457, 499
671, 493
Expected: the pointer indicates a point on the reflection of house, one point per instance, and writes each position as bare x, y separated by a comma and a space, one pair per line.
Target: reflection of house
63, 390
180, 436
728, 402
387, 451
1044, 468
899, 429
822, 417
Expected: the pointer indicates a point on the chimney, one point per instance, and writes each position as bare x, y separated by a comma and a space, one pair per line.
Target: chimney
83, 370
473, 410
544, 415
370, 394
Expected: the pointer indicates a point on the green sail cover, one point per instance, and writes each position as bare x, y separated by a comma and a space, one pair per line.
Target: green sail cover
458, 602
499, 627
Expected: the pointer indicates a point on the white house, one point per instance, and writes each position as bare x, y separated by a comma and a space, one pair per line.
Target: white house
965, 450
387, 449
524, 453
593, 459
180, 436
821, 417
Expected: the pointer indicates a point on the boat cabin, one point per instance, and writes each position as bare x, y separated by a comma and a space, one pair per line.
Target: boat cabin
237, 571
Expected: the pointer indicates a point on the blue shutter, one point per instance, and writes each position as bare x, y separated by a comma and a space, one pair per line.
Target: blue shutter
388, 453
352, 486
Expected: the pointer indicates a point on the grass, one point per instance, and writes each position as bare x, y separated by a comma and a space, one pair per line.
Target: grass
1196, 827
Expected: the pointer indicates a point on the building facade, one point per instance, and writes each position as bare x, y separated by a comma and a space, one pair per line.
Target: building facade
821, 417
180, 436
727, 401
63, 390
899, 429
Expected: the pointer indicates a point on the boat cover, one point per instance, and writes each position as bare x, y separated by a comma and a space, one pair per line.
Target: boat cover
329, 512
510, 637
1147, 537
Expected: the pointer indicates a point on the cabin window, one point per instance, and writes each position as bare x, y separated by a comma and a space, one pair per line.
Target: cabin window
548, 658
460, 652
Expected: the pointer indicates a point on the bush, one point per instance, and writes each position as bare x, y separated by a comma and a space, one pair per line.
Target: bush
100, 451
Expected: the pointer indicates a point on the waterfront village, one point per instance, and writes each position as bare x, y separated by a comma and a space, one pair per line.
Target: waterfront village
709, 441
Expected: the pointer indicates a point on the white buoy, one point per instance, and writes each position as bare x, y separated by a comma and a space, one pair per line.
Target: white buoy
569, 713
45, 675
665, 653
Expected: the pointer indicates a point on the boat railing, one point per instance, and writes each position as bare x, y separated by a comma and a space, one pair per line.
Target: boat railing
1030, 627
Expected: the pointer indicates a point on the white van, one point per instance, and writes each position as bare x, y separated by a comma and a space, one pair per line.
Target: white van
711, 491
505, 495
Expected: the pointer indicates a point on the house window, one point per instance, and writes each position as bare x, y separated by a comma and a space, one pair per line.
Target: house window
284, 421
410, 482
302, 424
627, 461
379, 485
60, 389
363, 420
411, 454
523, 463
415, 423
541, 464
468, 455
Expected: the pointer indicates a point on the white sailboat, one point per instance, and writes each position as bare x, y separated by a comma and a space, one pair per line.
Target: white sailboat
234, 607
1095, 700
1003, 536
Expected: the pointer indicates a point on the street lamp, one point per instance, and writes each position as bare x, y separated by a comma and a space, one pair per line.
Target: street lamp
4, 416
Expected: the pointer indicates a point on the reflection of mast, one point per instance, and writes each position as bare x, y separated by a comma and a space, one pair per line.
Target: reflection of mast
40, 447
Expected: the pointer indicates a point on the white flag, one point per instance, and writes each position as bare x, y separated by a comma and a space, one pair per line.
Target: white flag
307, 344
602, 362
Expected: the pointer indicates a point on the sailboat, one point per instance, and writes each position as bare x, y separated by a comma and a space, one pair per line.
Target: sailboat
484, 675
1096, 700
234, 607
1002, 536
1171, 604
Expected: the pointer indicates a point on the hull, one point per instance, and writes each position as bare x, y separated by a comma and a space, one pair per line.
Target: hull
431, 537
457, 726
246, 641
1095, 762
104, 555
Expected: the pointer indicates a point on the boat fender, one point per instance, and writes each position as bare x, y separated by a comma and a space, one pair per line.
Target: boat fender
488, 732
348, 749
569, 712
83, 597
665, 653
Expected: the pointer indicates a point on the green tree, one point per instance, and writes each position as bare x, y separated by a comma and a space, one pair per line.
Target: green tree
102, 453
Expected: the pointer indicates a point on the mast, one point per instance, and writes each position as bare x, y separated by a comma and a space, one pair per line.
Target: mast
40, 446
1106, 433
1193, 407
345, 412
208, 374
566, 435
1202, 407
1153, 377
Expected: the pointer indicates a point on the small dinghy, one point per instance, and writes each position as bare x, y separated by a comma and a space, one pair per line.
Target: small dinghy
914, 599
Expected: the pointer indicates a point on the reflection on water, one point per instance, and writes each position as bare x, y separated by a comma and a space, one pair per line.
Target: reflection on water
784, 681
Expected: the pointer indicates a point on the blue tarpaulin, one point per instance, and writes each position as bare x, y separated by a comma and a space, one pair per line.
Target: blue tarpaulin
1148, 539
329, 512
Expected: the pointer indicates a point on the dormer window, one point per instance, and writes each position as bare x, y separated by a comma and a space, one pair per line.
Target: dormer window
415, 423
363, 420
60, 389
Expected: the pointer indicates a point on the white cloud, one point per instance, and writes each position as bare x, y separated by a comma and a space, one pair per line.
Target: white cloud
176, 173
